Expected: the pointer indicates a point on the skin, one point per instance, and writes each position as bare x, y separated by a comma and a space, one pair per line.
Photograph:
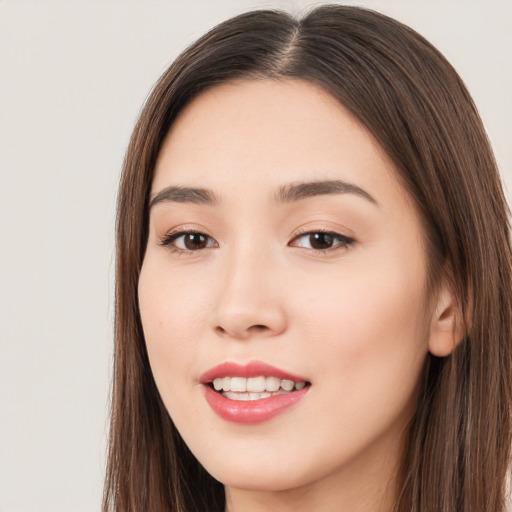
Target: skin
353, 319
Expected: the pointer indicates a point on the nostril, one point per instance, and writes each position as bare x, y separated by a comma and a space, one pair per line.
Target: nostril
254, 329
259, 327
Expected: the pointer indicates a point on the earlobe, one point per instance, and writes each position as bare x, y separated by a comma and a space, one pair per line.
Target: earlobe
447, 326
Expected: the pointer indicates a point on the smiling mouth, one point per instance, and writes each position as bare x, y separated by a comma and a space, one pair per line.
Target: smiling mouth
255, 388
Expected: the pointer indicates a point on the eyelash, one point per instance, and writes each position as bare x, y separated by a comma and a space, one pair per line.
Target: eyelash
343, 241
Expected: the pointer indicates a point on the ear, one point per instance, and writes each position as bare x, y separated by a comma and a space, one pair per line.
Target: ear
447, 327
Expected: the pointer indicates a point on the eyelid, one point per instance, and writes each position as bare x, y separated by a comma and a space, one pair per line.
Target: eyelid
183, 229
304, 230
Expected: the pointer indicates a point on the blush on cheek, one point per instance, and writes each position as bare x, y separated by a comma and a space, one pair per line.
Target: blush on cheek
365, 321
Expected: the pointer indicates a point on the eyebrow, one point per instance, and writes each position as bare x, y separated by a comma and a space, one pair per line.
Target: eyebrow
286, 194
298, 191
178, 194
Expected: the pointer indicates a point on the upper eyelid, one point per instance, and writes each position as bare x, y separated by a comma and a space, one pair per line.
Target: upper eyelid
185, 229
335, 234
175, 234
306, 231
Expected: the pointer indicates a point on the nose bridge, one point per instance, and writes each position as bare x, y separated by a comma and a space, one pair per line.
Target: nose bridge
248, 301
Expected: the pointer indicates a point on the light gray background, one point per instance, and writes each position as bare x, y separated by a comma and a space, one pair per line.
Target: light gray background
73, 75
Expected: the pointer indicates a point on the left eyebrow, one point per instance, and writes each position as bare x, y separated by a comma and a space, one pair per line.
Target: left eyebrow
298, 191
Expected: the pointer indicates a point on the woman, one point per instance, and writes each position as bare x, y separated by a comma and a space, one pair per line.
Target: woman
313, 279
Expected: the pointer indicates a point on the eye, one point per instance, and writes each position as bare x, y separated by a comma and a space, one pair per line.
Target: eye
187, 241
322, 241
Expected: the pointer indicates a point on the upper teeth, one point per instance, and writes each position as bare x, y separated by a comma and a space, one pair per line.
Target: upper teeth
255, 384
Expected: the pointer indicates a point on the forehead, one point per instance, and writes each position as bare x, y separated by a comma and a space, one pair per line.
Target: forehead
268, 133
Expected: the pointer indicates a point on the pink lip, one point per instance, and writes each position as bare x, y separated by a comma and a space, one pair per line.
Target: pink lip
254, 411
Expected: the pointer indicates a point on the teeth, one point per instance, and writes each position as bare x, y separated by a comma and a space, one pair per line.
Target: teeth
246, 397
238, 384
256, 384
226, 383
246, 389
287, 385
272, 383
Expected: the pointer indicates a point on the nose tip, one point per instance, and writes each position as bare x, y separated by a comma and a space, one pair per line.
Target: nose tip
248, 305
247, 321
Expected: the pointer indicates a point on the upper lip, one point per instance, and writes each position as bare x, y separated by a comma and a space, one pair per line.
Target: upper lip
250, 369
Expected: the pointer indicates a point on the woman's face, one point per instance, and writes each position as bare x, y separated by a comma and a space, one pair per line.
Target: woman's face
283, 248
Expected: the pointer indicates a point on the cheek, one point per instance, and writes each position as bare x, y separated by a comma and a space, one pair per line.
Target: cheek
352, 299
376, 300
366, 342
172, 315
368, 332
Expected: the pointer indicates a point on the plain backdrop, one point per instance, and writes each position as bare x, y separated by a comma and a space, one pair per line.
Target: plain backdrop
73, 76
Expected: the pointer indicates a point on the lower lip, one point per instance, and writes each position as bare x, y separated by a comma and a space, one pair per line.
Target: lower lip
251, 411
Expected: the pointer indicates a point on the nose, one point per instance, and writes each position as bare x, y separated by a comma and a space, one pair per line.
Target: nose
250, 303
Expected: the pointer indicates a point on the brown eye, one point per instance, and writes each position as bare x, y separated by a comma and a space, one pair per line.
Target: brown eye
194, 241
188, 241
322, 241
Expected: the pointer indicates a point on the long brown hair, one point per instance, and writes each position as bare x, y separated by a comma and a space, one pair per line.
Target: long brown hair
414, 103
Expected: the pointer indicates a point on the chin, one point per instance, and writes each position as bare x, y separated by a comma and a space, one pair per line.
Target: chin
254, 474
250, 479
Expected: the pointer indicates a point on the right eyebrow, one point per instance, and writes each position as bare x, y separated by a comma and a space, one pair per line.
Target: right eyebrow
178, 194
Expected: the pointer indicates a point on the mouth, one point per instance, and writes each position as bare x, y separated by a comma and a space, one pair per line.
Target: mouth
251, 393
255, 388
